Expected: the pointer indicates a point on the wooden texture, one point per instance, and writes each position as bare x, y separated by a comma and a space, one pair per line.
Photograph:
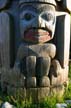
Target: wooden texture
63, 38
31, 66
66, 4
43, 1
33, 76
3, 3
42, 66
6, 40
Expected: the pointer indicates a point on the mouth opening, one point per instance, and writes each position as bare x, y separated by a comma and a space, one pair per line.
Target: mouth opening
37, 30
38, 35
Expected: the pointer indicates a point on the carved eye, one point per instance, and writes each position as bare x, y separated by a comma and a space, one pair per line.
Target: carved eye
27, 16
47, 16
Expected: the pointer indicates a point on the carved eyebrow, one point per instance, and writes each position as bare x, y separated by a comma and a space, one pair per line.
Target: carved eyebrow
37, 7
27, 7
46, 8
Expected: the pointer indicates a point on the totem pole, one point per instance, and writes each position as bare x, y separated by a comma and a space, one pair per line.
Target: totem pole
34, 43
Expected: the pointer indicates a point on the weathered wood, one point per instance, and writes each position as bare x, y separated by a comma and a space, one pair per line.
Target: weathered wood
6, 40
12, 77
63, 38
31, 66
29, 72
3, 3
62, 79
66, 4
55, 68
31, 94
58, 0
43, 92
31, 82
42, 66
43, 81
58, 91
46, 1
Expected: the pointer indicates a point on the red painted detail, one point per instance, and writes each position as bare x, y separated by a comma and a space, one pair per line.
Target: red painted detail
39, 36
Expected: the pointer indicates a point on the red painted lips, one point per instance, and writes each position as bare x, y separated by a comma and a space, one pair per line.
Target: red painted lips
37, 36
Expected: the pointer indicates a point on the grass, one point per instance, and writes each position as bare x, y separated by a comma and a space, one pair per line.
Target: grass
46, 103
70, 71
67, 94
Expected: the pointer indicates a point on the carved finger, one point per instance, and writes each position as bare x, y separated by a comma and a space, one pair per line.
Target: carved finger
31, 65
31, 82
43, 81
42, 66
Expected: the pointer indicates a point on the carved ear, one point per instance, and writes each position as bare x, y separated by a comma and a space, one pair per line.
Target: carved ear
3, 3
66, 4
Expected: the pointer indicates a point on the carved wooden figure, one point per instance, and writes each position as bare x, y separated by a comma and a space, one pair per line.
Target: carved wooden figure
34, 47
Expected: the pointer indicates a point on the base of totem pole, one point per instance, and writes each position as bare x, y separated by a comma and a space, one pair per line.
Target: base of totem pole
13, 82
35, 95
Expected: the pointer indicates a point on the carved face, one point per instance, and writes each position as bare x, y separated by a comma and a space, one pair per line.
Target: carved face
37, 22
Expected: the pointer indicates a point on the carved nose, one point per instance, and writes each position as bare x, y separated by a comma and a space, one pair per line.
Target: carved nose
39, 23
